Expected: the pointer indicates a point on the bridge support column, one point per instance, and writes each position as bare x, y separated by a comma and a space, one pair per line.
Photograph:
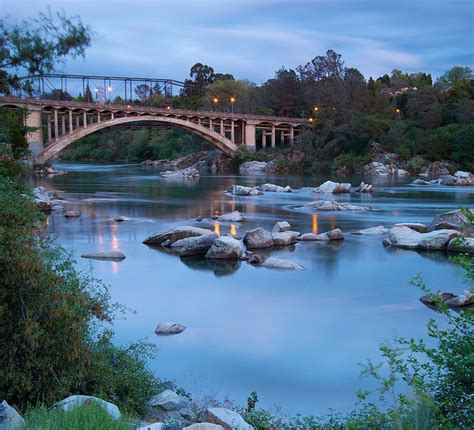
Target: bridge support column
35, 138
49, 128
222, 131
78, 121
84, 119
292, 135
63, 124
250, 131
56, 125
70, 121
232, 131
273, 136
112, 115
98, 117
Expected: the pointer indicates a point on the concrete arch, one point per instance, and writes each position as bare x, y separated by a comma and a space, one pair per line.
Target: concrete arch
218, 140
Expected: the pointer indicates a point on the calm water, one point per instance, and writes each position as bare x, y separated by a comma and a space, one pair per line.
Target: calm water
294, 337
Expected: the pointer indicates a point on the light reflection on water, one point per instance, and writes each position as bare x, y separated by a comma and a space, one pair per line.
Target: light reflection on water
294, 337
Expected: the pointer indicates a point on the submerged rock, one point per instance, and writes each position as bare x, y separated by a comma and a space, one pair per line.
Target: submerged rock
333, 187
258, 238
274, 188
174, 234
122, 218
278, 263
235, 216
240, 190
335, 234
329, 205
225, 248
405, 237
228, 419
372, 231
73, 402
168, 329
106, 255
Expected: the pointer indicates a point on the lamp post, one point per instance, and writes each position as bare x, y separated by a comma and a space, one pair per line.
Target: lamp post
215, 100
109, 89
232, 101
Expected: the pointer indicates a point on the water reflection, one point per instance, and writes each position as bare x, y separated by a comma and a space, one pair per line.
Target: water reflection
218, 267
315, 227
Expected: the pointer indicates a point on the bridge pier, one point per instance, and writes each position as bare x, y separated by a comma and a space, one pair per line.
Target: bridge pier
35, 138
250, 138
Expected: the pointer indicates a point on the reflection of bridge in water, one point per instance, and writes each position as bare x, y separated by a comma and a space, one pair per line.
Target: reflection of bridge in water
60, 123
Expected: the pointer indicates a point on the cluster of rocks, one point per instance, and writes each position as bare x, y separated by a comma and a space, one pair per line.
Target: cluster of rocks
47, 201
340, 187
330, 205
380, 169
253, 167
42, 170
187, 173
241, 190
458, 179
464, 300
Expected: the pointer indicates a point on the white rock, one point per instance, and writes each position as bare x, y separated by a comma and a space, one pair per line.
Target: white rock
335, 234
333, 187
154, 426
461, 244
168, 329
204, 426
284, 238
329, 205
235, 216
73, 402
10, 418
274, 188
281, 226
106, 255
364, 188
372, 231
420, 228
225, 248
227, 418
404, 237
278, 263
188, 173
197, 245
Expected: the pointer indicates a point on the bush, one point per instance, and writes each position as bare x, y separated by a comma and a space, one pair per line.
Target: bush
53, 343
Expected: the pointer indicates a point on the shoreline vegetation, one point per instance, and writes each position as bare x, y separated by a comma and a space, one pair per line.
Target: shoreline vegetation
57, 323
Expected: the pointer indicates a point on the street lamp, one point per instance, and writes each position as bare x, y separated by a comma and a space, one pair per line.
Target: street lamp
316, 108
232, 101
168, 107
311, 119
215, 100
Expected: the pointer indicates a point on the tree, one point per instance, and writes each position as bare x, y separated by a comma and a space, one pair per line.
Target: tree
454, 75
88, 95
57, 95
142, 91
327, 66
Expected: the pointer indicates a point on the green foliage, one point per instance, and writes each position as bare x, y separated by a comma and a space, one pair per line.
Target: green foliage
52, 318
86, 417
244, 154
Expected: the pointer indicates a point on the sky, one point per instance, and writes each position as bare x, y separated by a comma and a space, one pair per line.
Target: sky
253, 38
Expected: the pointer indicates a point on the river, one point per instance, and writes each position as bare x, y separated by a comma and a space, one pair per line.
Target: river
294, 337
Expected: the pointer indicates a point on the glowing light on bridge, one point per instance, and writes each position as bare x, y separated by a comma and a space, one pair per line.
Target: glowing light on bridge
316, 108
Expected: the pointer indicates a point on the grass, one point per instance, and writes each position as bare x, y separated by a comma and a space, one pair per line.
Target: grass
85, 417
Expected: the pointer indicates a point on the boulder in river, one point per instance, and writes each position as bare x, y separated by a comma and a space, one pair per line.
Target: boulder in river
330, 205
281, 226
106, 255
225, 248
258, 238
456, 220
284, 238
463, 300
405, 237
197, 245
461, 244
227, 418
9, 418
335, 234
420, 228
240, 190
372, 231
168, 329
73, 402
424, 183
274, 188
279, 263
188, 173
72, 214
122, 218
252, 167
42, 199
460, 178
364, 188
175, 234
333, 187
235, 216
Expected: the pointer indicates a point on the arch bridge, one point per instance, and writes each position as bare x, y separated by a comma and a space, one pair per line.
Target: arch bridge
59, 123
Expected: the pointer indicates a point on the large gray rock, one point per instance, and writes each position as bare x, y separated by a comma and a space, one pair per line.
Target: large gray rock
377, 168
72, 214
278, 263
204, 426
284, 238
240, 190
405, 237
372, 231
197, 245
225, 248
235, 216
274, 188
258, 238
333, 187
364, 188
437, 169
461, 244
73, 402
42, 199
169, 329
106, 255
420, 228
459, 179
10, 418
456, 220
169, 405
335, 234
281, 226
175, 234
425, 183
252, 167
461, 301
329, 205
227, 418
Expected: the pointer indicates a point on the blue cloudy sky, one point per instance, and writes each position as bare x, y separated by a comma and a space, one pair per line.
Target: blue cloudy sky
253, 38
